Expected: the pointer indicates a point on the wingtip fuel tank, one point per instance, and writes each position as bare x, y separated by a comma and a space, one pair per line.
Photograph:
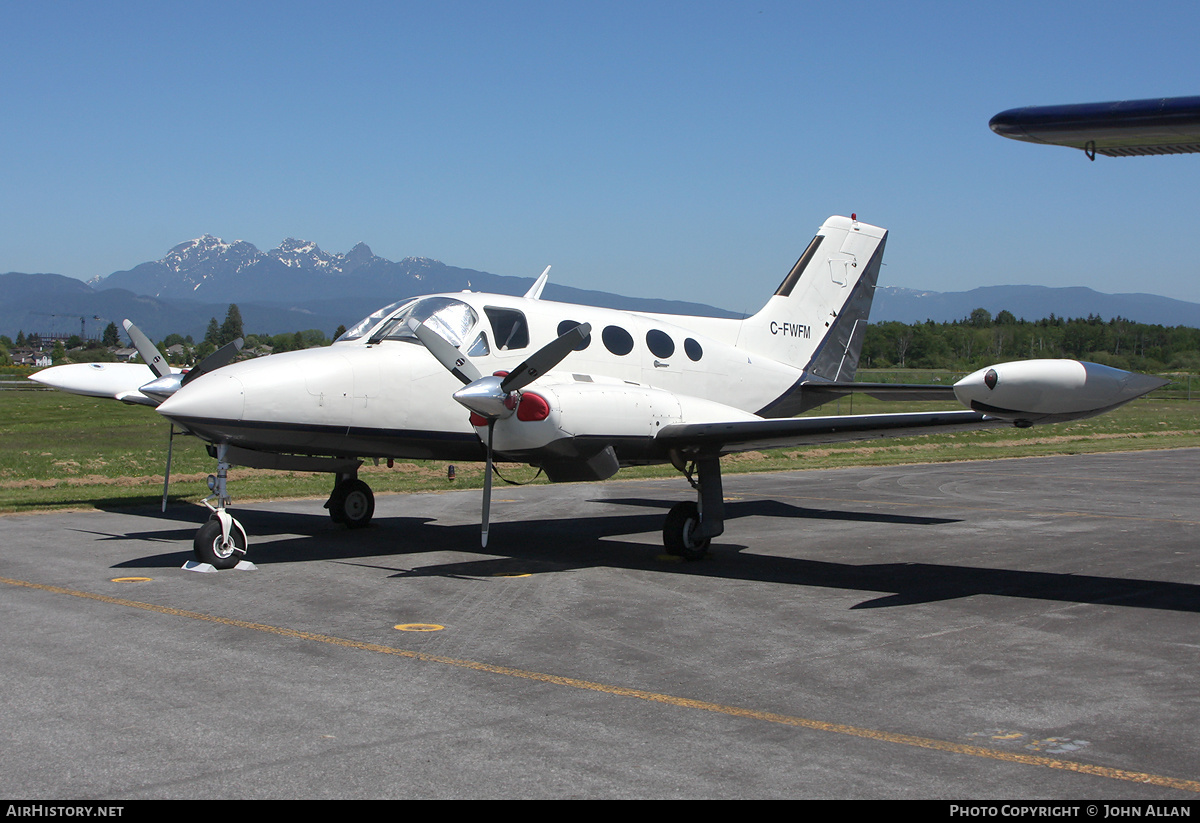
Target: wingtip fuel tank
1051, 391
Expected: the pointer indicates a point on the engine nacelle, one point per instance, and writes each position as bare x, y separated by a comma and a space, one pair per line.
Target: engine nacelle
1051, 391
559, 423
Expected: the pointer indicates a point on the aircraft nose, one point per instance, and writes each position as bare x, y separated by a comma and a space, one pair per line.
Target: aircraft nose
214, 396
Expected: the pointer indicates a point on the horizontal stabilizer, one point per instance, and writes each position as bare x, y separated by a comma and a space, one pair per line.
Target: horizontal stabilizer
880, 391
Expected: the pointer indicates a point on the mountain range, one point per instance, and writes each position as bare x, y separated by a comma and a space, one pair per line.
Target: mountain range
298, 286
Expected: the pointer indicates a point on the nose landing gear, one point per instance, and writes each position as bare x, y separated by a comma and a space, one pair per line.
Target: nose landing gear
221, 542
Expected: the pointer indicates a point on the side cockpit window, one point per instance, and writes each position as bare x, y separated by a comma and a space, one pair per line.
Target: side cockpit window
509, 329
480, 347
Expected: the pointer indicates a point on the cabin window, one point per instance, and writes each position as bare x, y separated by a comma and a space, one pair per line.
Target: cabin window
617, 340
692, 349
566, 325
509, 328
660, 343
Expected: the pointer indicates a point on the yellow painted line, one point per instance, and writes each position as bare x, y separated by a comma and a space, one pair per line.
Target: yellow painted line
131, 579
655, 697
418, 627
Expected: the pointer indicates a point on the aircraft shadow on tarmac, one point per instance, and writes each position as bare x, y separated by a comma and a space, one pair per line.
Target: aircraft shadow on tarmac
553, 545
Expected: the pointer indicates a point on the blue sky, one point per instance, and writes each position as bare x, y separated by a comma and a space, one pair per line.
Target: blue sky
665, 149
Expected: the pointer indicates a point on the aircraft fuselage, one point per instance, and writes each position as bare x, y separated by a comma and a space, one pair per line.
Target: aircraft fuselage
389, 397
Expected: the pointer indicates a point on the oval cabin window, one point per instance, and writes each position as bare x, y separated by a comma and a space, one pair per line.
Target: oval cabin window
617, 340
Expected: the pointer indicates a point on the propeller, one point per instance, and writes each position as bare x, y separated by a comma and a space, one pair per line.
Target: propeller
166, 385
451, 358
149, 352
494, 397
221, 357
167, 382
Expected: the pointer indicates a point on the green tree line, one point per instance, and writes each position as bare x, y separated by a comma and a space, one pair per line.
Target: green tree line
980, 339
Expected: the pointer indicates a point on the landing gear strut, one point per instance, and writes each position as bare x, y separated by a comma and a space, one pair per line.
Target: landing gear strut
351, 502
221, 542
691, 525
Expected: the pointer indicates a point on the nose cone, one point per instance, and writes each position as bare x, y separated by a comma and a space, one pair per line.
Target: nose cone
1035, 391
216, 396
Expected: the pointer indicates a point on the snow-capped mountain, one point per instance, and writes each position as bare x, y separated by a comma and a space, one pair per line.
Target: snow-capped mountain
296, 285
209, 268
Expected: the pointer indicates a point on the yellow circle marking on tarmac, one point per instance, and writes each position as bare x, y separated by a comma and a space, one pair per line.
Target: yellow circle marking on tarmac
512, 574
418, 627
132, 579
950, 747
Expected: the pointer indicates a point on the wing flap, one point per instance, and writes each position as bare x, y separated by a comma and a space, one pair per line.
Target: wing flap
746, 435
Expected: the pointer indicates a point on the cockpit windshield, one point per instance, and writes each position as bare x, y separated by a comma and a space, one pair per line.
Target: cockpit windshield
450, 318
370, 321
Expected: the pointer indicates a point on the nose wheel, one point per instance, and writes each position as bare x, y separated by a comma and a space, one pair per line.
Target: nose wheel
221, 542
221, 546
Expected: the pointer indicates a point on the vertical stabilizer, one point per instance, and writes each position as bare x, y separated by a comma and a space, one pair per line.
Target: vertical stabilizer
817, 318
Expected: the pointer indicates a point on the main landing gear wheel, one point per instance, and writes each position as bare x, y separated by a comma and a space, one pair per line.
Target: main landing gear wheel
681, 522
210, 547
351, 503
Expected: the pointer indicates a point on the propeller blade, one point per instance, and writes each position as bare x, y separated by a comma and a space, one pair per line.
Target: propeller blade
545, 358
451, 358
150, 354
221, 357
487, 484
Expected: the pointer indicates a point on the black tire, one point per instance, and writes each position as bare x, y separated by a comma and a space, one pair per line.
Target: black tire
681, 521
207, 546
352, 503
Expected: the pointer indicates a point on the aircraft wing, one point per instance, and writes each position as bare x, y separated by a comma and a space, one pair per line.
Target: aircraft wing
746, 435
1124, 128
1020, 393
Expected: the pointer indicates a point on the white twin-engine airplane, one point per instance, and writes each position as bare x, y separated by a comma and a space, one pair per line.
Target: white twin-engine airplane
609, 389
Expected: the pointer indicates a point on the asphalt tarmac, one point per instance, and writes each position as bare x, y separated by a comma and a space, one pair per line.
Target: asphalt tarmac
1016, 629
